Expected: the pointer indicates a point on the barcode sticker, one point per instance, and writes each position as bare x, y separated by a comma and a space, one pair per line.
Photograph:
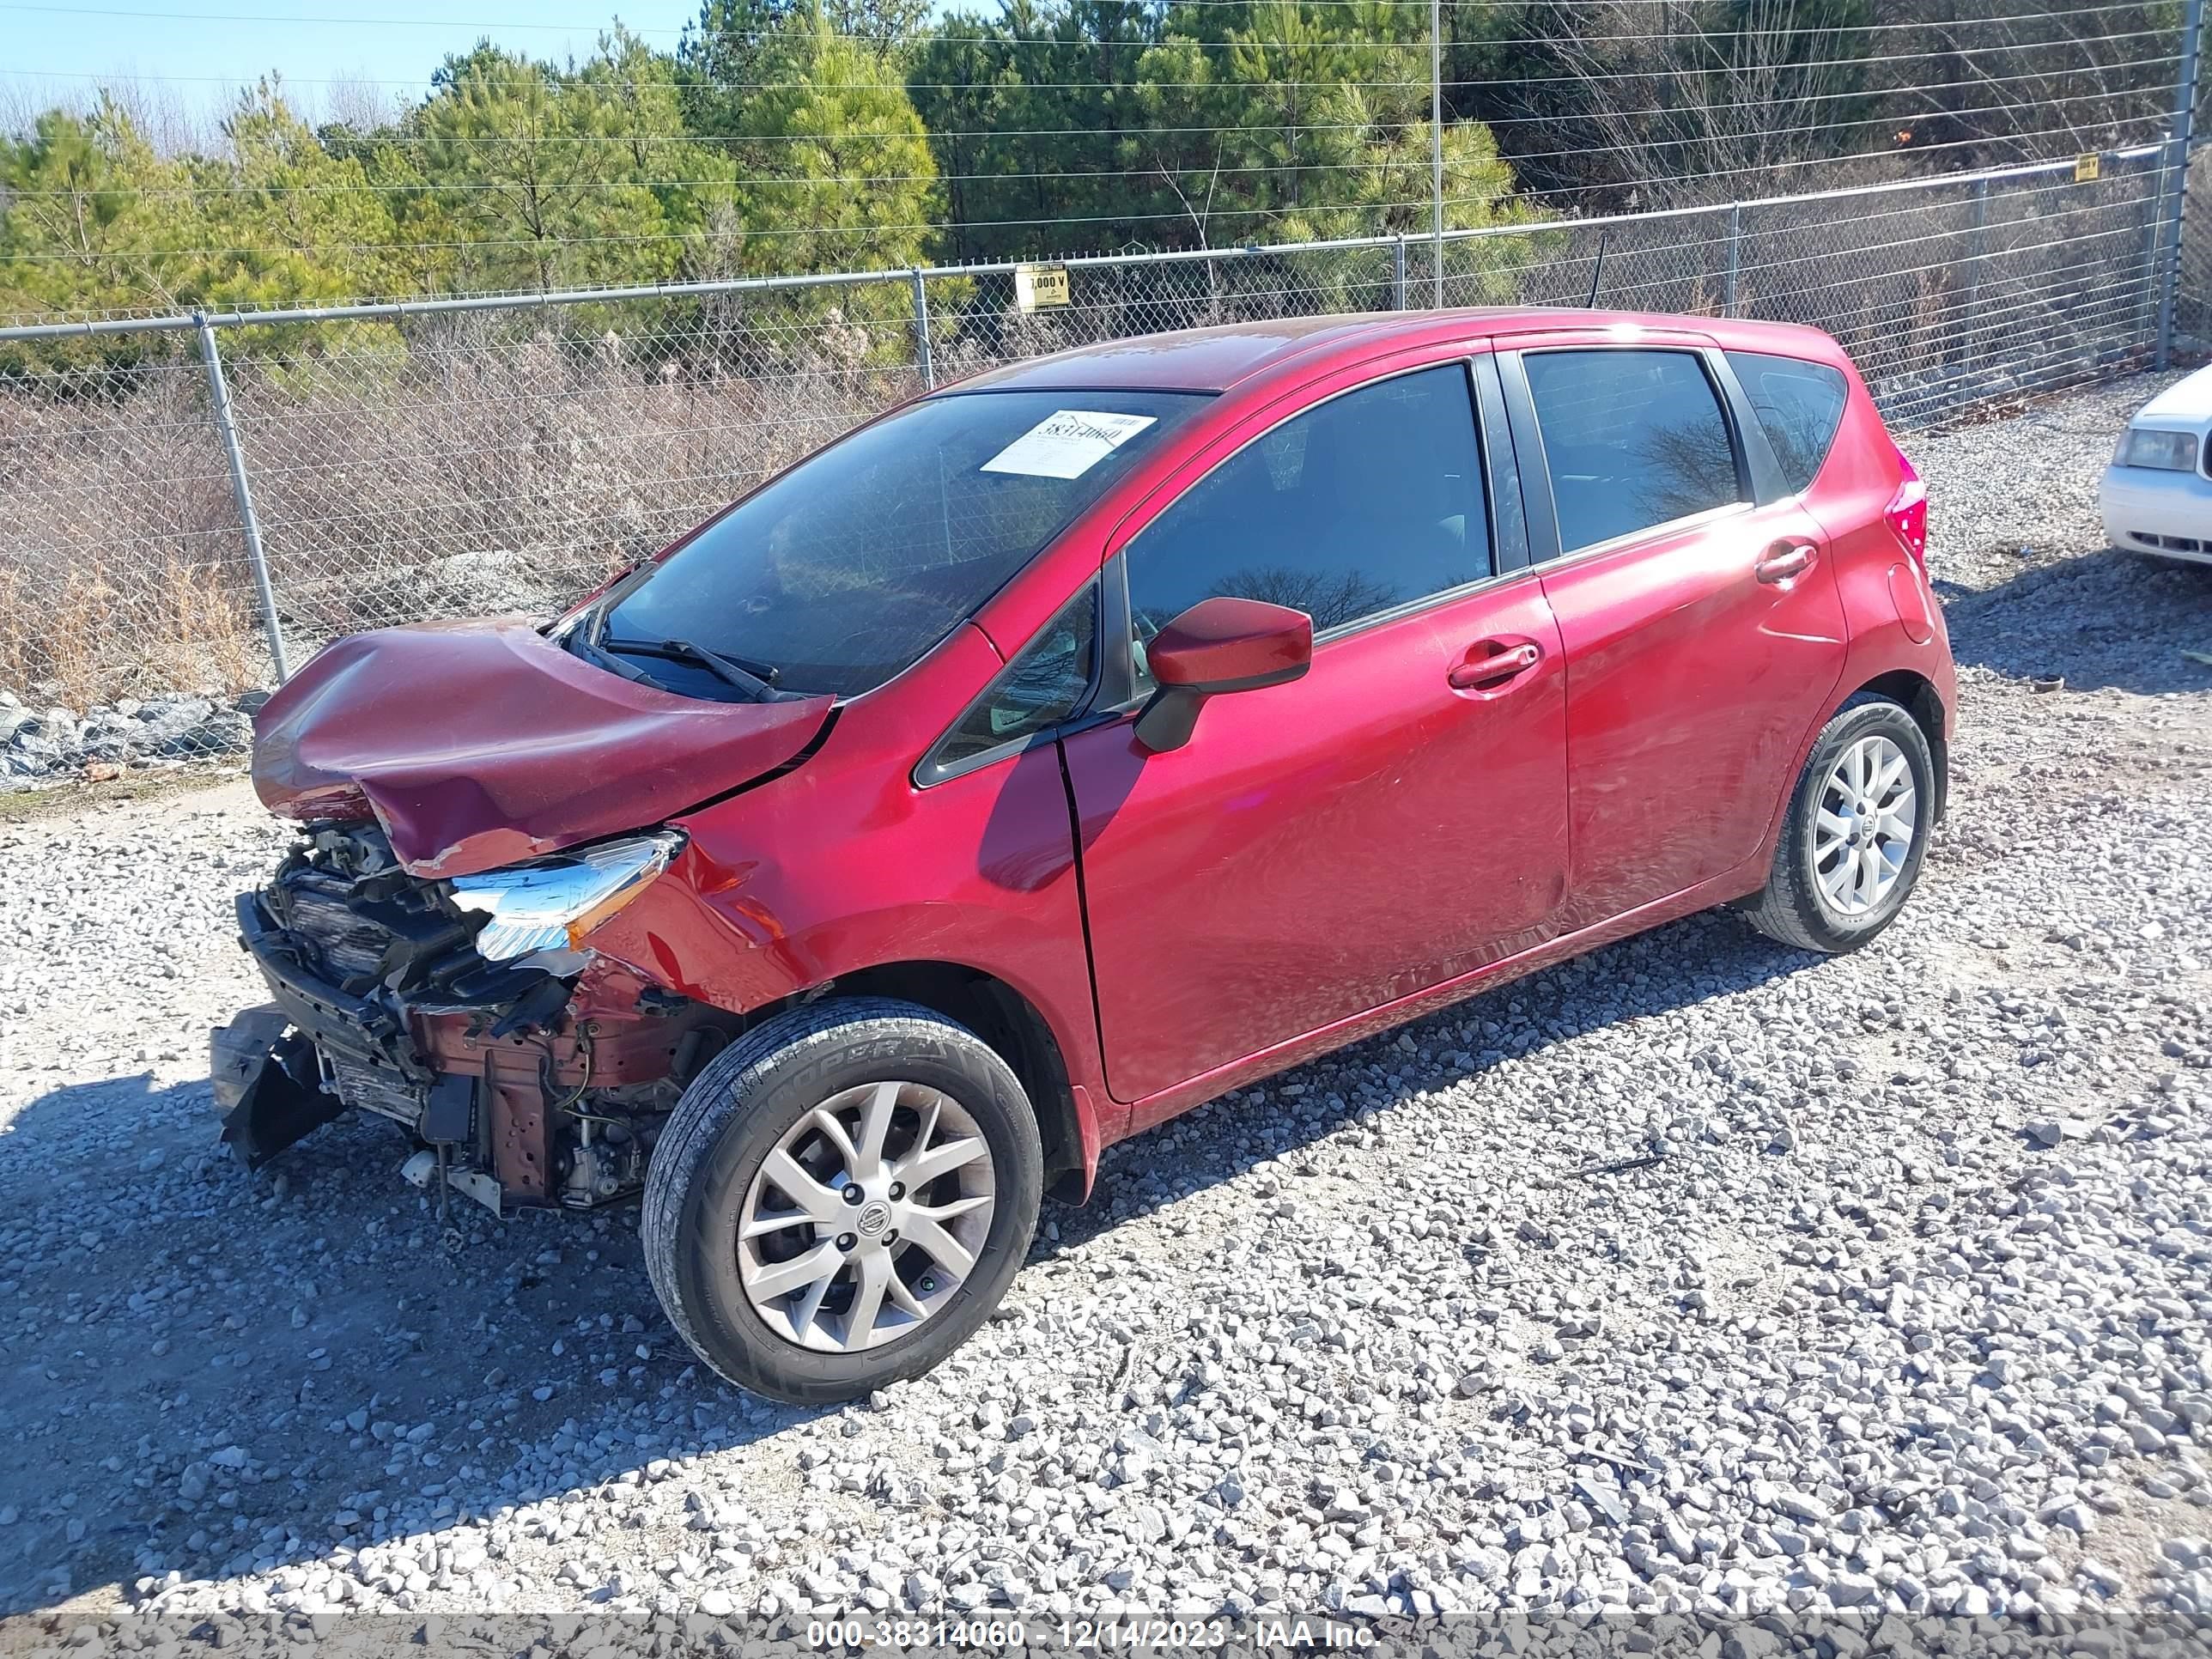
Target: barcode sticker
1067, 444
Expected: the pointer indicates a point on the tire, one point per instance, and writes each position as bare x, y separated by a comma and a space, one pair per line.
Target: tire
745, 1105
1795, 907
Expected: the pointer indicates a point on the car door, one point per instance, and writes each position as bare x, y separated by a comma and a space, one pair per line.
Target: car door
1697, 603
1392, 819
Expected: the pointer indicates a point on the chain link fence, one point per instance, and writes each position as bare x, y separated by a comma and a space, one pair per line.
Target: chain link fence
442, 459
2192, 315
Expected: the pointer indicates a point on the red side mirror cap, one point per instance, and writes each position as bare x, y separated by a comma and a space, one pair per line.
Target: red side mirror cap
1218, 646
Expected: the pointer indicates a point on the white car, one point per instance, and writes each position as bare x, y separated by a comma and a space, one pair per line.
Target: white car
2156, 493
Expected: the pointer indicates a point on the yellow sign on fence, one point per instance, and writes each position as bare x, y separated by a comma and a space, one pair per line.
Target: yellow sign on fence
2087, 168
1037, 287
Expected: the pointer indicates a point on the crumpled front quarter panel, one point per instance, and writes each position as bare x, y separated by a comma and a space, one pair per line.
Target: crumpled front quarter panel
844, 865
478, 743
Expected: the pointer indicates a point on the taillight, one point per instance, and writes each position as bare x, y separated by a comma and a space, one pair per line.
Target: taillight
1907, 515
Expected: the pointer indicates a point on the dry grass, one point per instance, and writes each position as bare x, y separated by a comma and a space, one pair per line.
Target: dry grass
118, 559
15, 658
191, 634
80, 622
206, 638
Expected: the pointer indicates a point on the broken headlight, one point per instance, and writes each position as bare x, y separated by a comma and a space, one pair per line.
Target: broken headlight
551, 904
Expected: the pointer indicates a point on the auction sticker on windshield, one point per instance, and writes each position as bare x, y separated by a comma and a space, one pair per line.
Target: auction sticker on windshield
1067, 444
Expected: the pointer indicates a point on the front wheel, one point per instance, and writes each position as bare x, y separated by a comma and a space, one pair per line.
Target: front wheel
840, 1198
1850, 849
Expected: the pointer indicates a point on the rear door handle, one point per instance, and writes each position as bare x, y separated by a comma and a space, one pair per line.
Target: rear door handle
1780, 563
1480, 673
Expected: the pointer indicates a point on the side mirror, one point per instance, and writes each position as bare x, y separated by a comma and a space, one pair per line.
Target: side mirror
1218, 646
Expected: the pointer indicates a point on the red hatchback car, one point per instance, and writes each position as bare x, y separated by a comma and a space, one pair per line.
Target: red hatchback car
1068, 747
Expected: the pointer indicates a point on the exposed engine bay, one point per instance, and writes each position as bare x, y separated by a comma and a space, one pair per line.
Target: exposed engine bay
524, 1074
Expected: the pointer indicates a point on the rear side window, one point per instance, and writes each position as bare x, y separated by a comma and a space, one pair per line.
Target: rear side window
1366, 502
1633, 439
1799, 405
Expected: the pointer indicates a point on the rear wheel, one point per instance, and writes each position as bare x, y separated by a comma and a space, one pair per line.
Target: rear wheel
840, 1198
1851, 846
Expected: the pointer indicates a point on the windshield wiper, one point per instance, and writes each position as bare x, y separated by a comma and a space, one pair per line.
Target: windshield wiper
756, 679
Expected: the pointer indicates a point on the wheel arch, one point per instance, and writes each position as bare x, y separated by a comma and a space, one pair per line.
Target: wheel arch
1912, 691
1015, 1029
1917, 695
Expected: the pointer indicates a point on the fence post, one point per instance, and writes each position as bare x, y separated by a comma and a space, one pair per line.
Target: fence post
1978, 250
1730, 293
2176, 191
922, 332
1398, 274
1436, 133
248, 525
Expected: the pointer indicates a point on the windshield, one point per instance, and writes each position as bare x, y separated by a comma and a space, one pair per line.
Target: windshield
841, 572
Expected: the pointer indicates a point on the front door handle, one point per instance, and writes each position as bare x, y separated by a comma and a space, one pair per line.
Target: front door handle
1785, 559
1482, 673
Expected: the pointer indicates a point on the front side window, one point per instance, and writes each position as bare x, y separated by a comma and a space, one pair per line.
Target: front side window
1799, 407
844, 570
1372, 501
1044, 684
1633, 437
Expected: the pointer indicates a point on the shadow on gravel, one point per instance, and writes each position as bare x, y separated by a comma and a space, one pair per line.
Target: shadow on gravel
227, 1371
2107, 620
1714, 954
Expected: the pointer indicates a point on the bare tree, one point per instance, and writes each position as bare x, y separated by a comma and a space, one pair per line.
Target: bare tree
1687, 102
1683, 103
172, 122
1329, 597
21, 105
355, 101
2030, 87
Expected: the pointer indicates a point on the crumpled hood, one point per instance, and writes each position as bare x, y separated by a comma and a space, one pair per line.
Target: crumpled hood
478, 743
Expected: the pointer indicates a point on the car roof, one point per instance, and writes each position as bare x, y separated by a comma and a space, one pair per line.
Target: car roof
2189, 398
1223, 358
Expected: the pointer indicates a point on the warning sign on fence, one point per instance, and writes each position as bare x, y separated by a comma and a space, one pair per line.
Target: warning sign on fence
1037, 287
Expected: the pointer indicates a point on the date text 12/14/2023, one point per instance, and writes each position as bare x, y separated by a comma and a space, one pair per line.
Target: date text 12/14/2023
1127, 1634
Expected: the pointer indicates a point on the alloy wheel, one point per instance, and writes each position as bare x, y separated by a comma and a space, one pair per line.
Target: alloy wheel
866, 1217
1864, 825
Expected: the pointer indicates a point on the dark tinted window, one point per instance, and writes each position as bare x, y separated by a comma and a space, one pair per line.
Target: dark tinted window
845, 569
1799, 407
1632, 439
1370, 500
1038, 690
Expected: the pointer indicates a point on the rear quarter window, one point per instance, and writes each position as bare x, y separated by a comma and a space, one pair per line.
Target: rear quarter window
1799, 407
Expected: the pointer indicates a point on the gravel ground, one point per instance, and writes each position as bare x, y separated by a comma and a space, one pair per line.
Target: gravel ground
1906, 1304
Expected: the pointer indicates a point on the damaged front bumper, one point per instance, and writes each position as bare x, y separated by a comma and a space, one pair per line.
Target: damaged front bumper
528, 1083
266, 1085
283, 1069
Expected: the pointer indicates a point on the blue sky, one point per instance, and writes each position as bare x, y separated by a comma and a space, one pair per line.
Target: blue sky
198, 51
